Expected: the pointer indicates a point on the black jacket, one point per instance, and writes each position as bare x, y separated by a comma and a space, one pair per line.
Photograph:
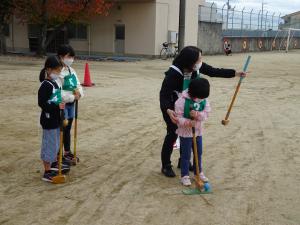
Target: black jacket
50, 115
173, 83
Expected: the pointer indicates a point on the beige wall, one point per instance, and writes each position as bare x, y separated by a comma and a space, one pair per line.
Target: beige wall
138, 19
167, 19
80, 45
140, 29
191, 22
18, 36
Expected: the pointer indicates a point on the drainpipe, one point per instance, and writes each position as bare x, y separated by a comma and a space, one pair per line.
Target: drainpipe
181, 33
13, 34
89, 44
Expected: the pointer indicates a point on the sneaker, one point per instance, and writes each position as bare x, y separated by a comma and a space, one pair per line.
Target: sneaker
48, 175
64, 168
203, 177
168, 171
186, 181
70, 157
66, 161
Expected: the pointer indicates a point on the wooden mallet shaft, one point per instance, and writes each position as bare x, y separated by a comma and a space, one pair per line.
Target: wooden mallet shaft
226, 120
198, 182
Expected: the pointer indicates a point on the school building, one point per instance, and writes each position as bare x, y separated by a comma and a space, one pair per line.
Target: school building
133, 27
291, 21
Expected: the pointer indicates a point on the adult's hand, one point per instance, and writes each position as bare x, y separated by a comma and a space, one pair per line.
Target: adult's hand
241, 74
172, 116
193, 114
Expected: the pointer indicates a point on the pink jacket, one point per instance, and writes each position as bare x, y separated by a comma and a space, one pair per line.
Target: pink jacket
184, 130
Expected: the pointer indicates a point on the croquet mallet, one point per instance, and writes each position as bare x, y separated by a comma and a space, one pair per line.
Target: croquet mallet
60, 178
226, 120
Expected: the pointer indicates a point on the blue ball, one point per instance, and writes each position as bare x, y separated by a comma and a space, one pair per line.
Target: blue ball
207, 187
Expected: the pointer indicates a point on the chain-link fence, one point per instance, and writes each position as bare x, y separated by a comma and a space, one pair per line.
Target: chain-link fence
245, 19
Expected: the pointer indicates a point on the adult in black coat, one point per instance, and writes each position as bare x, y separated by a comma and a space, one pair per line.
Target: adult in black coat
187, 63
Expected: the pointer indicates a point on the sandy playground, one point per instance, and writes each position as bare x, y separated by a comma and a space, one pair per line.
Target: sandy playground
253, 164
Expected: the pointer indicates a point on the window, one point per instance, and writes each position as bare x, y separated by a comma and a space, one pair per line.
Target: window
34, 30
77, 31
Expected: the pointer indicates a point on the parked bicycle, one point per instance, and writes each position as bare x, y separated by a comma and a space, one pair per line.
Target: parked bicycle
168, 51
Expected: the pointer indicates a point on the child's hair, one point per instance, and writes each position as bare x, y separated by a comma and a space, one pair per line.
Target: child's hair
187, 58
64, 50
52, 62
199, 88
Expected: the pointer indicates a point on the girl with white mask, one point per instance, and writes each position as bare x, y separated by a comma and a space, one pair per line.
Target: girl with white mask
71, 91
50, 102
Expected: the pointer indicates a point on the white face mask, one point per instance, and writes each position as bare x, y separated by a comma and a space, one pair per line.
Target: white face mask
68, 61
54, 76
197, 66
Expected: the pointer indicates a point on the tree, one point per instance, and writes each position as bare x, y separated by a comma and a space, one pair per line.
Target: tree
6, 11
56, 14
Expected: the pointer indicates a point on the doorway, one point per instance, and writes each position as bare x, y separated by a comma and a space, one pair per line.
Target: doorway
120, 39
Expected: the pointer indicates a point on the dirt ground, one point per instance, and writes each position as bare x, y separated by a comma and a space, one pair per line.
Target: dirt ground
253, 164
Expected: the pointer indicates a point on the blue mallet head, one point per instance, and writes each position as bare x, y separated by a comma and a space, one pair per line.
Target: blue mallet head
207, 187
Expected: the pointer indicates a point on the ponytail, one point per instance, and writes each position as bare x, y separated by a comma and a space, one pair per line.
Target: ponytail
43, 75
51, 62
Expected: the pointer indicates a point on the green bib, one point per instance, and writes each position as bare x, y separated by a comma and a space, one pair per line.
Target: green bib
190, 104
187, 81
56, 97
70, 82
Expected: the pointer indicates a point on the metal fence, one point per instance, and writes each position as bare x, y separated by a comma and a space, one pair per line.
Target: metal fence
245, 19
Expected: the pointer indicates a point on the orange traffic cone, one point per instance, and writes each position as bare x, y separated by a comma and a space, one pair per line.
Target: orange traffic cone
87, 77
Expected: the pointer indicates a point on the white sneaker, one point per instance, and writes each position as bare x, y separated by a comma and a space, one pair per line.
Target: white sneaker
203, 177
186, 181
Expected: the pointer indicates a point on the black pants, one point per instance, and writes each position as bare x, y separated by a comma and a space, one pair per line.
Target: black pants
228, 52
170, 138
67, 135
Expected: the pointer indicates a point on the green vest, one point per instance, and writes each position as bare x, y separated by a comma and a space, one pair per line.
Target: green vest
187, 80
56, 96
70, 82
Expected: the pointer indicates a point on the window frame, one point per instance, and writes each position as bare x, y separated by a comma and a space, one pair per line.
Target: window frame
77, 27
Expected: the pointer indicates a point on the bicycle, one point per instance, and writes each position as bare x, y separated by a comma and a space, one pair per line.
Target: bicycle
168, 51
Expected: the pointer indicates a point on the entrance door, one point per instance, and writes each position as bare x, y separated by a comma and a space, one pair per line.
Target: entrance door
120, 39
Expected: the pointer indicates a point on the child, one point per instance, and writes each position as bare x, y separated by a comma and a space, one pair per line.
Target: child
228, 49
71, 91
49, 99
192, 109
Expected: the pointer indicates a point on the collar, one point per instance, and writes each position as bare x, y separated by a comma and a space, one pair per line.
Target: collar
177, 69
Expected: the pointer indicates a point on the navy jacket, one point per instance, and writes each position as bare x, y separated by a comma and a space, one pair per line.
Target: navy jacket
50, 115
